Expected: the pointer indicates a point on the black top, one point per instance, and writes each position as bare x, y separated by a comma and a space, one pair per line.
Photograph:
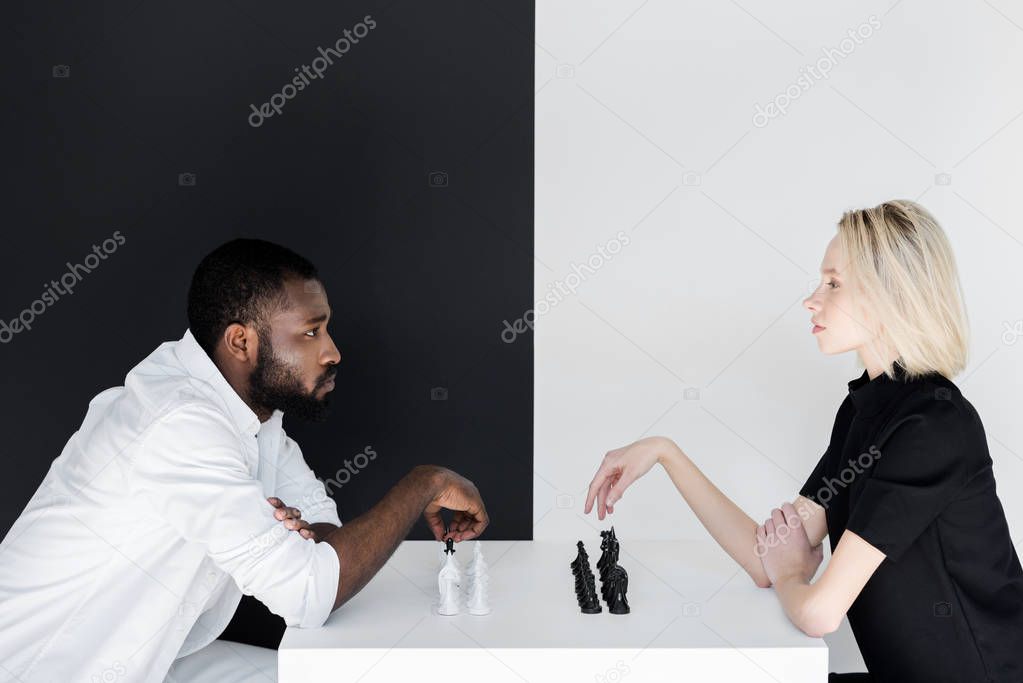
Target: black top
908, 470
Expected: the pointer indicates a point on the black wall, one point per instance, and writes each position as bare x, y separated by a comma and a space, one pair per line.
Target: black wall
404, 173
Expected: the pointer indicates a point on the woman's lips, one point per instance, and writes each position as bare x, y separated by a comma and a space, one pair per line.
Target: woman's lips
816, 329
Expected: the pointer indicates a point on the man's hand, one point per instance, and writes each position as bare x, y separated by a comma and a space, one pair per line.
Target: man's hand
292, 519
364, 543
460, 495
784, 548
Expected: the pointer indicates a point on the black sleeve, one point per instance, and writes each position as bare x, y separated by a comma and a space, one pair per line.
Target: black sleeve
918, 470
814, 481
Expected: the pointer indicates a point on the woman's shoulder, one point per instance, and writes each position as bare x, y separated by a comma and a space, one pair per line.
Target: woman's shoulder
934, 415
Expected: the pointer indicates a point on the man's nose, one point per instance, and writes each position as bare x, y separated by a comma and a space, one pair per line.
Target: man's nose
333, 354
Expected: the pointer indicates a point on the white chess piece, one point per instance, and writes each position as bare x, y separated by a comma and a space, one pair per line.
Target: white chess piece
448, 581
475, 566
478, 583
479, 598
477, 555
442, 558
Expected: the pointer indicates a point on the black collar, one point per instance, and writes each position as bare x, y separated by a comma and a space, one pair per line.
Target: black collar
870, 396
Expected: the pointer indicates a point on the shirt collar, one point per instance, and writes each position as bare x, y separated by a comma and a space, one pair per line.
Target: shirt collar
871, 395
199, 365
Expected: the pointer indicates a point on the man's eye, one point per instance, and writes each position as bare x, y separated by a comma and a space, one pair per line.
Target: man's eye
313, 331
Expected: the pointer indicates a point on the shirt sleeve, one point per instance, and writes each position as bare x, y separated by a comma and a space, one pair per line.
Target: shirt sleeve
298, 487
917, 471
813, 482
193, 471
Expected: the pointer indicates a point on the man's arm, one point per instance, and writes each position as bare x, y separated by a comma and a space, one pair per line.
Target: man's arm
321, 530
364, 544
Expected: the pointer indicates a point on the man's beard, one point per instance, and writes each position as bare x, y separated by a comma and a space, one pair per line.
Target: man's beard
274, 385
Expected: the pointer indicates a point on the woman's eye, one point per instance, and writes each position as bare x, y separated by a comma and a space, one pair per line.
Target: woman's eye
832, 282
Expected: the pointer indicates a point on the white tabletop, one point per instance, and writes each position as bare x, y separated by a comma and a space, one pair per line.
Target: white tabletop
692, 610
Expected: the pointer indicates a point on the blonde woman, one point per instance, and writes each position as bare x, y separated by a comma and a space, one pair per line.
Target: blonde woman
922, 560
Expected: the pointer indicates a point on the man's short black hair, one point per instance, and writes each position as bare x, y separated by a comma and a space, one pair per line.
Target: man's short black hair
241, 281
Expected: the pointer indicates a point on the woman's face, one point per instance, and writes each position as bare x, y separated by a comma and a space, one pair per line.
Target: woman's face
835, 306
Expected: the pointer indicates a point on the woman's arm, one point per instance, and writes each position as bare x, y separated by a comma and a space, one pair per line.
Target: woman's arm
814, 521
733, 529
790, 563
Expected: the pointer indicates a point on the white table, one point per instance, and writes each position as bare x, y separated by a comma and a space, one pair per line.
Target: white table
695, 617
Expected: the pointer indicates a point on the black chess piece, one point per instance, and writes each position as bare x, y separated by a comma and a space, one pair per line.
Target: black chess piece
603, 554
585, 583
588, 601
449, 546
617, 587
580, 556
610, 556
614, 580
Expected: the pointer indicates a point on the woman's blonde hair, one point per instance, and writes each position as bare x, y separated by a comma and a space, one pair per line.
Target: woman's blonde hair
904, 265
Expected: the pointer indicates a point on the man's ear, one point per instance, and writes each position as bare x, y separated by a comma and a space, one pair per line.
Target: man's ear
241, 342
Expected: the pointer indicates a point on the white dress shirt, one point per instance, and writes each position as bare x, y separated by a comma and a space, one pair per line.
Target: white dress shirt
145, 532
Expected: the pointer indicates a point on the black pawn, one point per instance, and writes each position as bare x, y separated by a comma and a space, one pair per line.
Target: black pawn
585, 583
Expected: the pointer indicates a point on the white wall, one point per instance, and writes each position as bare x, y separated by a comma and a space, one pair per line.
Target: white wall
644, 124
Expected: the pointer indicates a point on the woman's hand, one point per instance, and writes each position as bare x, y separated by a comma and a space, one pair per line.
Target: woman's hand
783, 547
619, 469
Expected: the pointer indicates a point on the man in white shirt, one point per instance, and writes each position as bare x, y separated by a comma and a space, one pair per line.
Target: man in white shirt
181, 491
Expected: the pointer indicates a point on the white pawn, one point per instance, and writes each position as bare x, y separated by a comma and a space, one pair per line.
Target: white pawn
479, 598
476, 567
479, 584
448, 581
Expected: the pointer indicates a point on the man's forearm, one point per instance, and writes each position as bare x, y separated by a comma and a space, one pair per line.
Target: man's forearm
364, 544
322, 529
